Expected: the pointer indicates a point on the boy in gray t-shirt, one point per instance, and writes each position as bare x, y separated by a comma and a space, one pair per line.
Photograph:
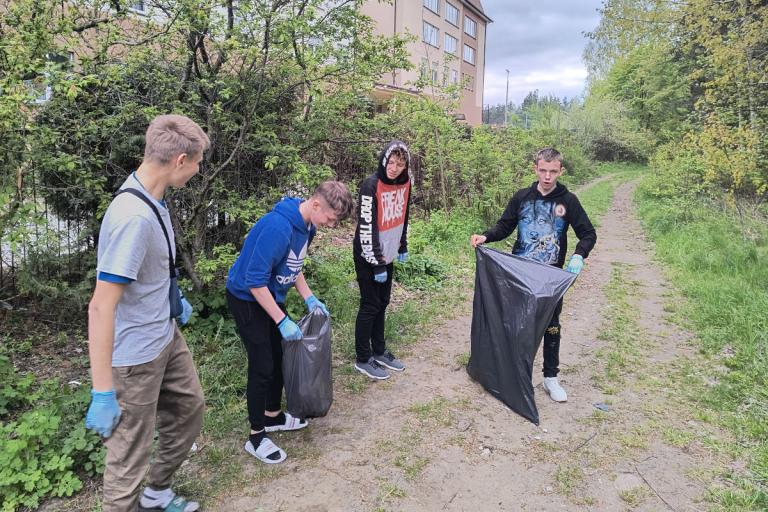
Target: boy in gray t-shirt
143, 374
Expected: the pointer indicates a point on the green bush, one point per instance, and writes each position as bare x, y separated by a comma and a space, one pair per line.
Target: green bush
44, 447
421, 272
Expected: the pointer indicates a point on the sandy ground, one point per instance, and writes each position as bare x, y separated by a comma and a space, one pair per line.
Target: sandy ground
431, 439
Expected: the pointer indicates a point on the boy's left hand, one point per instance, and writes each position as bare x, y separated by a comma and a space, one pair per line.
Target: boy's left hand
402, 257
313, 303
575, 264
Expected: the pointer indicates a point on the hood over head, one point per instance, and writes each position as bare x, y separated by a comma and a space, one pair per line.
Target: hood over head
384, 159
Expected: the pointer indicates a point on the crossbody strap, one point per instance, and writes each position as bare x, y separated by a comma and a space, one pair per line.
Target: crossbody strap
149, 203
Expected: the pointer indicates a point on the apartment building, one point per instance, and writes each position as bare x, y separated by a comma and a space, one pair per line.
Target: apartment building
450, 47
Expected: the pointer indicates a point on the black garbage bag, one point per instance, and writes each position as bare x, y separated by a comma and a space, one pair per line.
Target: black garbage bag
307, 368
514, 302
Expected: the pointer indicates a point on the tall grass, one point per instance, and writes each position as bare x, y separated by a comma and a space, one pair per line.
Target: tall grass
720, 266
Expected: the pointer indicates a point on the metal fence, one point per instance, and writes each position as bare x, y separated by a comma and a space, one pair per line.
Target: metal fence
46, 246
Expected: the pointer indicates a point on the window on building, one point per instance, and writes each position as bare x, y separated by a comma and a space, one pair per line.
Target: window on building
451, 43
424, 69
139, 6
469, 54
431, 35
454, 76
451, 14
435, 76
433, 5
470, 26
468, 81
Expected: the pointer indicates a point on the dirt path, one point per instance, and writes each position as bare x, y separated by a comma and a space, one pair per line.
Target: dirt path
431, 439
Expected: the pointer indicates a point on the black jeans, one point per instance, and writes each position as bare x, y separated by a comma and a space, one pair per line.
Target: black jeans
552, 344
263, 344
374, 298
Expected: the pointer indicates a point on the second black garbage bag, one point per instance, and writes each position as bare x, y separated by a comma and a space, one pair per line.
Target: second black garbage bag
307, 368
513, 304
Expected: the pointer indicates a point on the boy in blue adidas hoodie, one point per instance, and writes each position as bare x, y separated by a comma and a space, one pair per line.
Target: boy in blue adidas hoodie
270, 263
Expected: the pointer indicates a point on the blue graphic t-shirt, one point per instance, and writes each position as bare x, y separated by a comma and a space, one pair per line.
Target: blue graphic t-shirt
540, 229
273, 253
542, 225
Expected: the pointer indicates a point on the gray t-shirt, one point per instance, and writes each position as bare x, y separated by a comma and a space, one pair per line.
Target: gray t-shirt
132, 245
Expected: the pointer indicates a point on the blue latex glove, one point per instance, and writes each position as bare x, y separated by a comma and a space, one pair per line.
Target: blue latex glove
575, 264
103, 413
186, 311
402, 257
289, 329
313, 303
380, 276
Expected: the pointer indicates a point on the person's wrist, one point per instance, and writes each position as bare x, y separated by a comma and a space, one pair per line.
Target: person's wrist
102, 395
282, 320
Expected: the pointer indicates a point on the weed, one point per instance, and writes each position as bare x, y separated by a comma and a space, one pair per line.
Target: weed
412, 465
436, 411
388, 490
635, 496
569, 477
677, 437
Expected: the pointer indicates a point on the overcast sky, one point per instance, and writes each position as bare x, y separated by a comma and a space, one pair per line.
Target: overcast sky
541, 43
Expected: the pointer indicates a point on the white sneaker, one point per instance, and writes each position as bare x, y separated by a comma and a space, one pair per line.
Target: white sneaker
555, 390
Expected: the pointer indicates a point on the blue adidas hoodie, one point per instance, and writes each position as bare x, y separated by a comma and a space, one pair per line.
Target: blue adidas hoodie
273, 253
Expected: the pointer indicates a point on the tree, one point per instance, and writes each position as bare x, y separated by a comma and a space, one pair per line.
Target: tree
277, 84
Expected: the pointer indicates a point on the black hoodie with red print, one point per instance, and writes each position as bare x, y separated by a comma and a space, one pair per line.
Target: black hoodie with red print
382, 213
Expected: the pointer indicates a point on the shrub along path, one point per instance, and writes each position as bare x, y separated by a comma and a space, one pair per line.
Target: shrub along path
432, 439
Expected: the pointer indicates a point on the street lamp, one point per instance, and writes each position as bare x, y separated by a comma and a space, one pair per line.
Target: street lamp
506, 101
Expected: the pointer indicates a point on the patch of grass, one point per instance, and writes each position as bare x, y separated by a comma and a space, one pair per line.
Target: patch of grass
677, 437
462, 360
597, 417
389, 490
719, 261
621, 334
412, 465
435, 412
636, 439
569, 478
635, 496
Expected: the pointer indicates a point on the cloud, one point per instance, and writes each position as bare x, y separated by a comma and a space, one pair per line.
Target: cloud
541, 44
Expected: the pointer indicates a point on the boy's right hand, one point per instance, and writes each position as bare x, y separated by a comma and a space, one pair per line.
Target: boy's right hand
103, 413
477, 240
381, 276
289, 330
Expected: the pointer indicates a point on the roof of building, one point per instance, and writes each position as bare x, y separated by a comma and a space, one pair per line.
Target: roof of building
477, 6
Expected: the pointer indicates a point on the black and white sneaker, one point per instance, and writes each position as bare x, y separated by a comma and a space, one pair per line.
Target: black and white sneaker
372, 369
389, 360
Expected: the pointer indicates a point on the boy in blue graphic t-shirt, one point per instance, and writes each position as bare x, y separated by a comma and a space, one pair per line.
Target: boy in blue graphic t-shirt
270, 263
542, 213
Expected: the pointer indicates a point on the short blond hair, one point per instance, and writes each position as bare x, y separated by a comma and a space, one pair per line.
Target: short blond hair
171, 135
338, 197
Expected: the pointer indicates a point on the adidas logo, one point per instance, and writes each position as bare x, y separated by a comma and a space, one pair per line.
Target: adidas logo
294, 262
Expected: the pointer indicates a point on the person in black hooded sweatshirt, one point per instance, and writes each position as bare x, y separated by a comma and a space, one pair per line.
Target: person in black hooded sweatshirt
542, 213
380, 237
